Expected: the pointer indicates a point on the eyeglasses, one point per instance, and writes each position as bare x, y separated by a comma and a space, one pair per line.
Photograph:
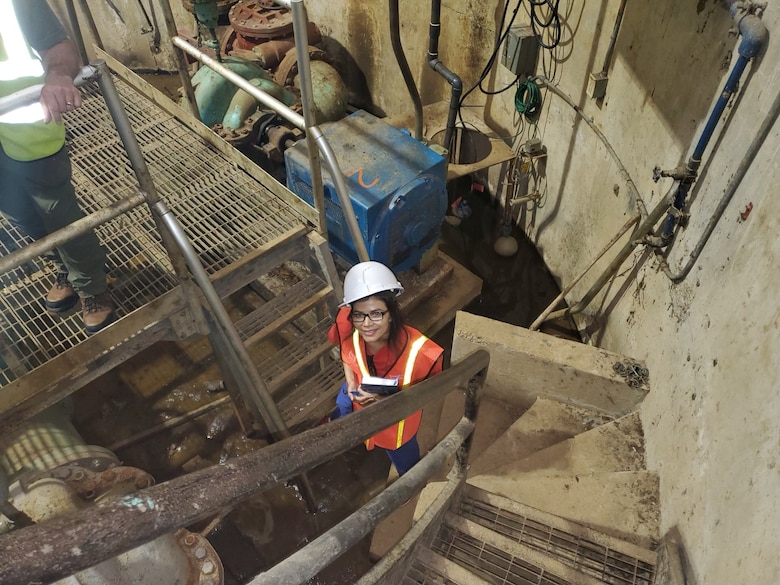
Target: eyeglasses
358, 317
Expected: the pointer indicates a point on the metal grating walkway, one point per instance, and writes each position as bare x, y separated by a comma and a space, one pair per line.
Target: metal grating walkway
225, 211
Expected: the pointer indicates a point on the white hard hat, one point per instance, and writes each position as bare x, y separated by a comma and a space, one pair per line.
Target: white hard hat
369, 278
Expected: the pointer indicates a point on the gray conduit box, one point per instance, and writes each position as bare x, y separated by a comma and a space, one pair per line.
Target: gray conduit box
520, 51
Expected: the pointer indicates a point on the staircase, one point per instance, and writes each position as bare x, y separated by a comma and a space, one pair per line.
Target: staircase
579, 508
562, 495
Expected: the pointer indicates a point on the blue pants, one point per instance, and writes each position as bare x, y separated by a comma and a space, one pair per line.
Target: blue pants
404, 458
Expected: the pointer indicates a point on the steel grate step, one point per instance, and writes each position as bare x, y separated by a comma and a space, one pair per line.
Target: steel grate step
491, 563
587, 552
289, 362
309, 401
282, 309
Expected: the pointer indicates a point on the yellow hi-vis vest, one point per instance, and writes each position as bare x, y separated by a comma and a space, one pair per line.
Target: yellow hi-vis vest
23, 135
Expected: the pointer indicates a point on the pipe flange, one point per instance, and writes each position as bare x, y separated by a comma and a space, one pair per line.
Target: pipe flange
239, 136
223, 6
205, 565
91, 485
288, 68
260, 19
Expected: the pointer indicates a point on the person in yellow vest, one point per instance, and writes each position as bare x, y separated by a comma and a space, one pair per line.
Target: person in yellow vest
36, 194
374, 341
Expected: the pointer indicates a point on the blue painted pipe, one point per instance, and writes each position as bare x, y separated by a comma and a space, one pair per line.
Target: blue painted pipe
754, 36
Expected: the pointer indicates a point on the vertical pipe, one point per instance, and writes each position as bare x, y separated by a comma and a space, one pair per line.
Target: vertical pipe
74, 25
613, 38
695, 160
434, 63
301, 35
734, 183
400, 57
754, 37
181, 62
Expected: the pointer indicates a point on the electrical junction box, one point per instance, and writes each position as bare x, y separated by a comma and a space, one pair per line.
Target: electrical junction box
396, 184
597, 85
521, 50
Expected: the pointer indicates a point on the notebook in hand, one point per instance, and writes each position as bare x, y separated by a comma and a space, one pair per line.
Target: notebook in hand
382, 386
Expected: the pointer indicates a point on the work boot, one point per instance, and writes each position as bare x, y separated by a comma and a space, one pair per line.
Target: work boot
97, 312
62, 296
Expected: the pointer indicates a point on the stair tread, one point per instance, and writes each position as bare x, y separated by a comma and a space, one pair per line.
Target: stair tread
623, 504
508, 515
545, 423
492, 555
615, 446
314, 398
431, 568
284, 365
282, 309
590, 552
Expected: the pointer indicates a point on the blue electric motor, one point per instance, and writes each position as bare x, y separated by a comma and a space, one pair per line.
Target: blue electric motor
397, 186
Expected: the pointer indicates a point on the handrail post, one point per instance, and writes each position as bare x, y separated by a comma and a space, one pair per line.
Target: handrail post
301, 35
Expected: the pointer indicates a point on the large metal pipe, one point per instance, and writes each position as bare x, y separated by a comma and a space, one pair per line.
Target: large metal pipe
82, 539
400, 57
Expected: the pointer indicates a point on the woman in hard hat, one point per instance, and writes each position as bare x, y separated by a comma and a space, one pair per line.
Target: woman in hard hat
374, 341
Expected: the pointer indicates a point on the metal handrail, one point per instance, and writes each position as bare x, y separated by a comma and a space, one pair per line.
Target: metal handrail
314, 136
84, 538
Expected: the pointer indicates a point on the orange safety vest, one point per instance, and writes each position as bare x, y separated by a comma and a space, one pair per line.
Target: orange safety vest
416, 361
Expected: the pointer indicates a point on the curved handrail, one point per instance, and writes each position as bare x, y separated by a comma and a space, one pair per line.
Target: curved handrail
84, 538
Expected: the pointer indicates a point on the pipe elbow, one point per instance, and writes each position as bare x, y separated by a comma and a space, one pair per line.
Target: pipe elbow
754, 35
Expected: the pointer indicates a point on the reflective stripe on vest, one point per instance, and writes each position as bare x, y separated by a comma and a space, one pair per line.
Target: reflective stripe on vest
23, 135
407, 380
408, 371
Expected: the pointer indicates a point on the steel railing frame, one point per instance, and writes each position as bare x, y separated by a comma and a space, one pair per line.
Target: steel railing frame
315, 140
84, 538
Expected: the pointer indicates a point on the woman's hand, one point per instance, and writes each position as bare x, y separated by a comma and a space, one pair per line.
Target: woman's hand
361, 396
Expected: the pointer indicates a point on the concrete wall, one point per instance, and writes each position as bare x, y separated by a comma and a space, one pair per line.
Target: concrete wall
711, 343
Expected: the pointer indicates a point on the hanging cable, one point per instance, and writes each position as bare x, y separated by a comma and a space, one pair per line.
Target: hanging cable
528, 100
